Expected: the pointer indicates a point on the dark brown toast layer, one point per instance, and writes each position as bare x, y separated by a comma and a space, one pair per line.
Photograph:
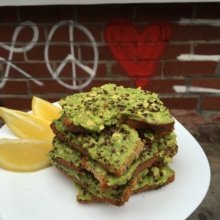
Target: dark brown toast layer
119, 201
117, 171
158, 129
68, 164
94, 199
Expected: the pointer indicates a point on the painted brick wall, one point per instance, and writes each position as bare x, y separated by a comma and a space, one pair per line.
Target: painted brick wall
171, 49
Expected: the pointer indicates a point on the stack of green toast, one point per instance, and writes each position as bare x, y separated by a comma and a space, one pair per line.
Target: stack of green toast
114, 142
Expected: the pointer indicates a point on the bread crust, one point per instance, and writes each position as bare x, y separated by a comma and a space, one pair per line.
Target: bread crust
158, 129
68, 164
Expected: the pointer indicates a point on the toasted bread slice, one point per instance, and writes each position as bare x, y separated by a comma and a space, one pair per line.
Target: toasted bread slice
110, 104
117, 196
114, 149
145, 183
73, 159
162, 151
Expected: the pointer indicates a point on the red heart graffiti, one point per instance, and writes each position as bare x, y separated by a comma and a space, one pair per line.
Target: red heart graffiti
138, 52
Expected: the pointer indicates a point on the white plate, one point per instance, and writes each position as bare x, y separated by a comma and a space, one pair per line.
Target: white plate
48, 194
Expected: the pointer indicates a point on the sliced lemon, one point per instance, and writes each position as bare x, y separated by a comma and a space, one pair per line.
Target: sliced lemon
45, 109
24, 155
26, 125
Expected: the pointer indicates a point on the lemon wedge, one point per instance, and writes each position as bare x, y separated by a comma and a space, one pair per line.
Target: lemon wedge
26, 125
24, 155
45, 109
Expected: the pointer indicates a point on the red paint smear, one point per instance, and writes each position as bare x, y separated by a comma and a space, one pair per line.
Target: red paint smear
137, 52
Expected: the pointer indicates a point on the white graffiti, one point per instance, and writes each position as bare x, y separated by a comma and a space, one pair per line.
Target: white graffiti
12, 49
207, 22
195, 57
197, 89
70, 58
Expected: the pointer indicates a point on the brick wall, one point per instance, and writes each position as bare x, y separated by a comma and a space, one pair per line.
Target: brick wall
156, 46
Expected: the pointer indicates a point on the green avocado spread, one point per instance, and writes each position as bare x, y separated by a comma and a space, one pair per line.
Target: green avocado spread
111, 147
106, 105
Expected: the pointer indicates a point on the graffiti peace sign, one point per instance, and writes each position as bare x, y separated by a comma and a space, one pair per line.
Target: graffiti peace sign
75, 84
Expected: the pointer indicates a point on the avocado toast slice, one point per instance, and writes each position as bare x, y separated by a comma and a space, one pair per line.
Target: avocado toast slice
116, 196
114, 149
110, 104
160, 151
149, 179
